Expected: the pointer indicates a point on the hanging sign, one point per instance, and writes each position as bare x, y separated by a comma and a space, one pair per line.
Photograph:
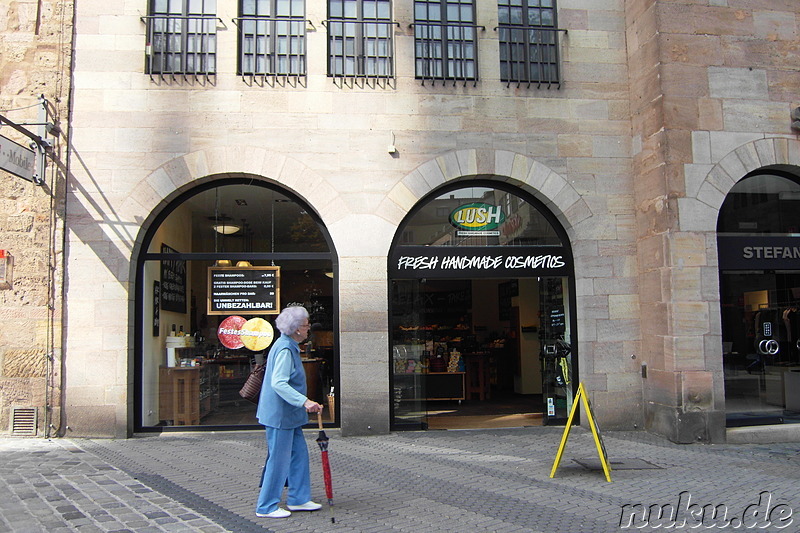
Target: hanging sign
17, 159
245, 290
478, 219
581, 396
414, 262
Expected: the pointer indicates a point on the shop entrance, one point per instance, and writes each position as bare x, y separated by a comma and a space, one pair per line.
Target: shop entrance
219, 264
481, 322
759, 258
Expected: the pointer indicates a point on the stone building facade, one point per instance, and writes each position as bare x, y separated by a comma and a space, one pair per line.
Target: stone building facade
35, 70
655, 117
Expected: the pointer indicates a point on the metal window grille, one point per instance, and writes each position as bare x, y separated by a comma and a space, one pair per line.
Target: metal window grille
360, 39
445, 40
182, 40
529, 45
272, 38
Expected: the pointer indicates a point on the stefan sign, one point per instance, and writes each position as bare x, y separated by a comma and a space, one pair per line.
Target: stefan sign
17, 159
762, 252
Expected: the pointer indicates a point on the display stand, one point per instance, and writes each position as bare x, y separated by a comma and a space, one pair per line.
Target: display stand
478, 377
187, 394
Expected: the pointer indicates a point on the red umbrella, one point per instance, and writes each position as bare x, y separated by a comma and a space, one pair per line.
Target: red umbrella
322, 441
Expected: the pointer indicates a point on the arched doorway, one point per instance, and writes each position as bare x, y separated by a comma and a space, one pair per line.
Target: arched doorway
758, 237
481, 300
218, 264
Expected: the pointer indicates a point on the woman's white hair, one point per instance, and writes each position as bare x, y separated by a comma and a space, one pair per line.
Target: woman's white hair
290, 319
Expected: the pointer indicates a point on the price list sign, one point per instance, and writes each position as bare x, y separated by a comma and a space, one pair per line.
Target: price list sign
243, 290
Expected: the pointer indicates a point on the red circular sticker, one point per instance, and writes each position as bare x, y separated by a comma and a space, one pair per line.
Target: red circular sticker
229, 332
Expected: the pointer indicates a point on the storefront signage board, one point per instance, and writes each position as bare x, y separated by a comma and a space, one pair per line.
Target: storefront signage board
243, 290
582, 397
17, 159
478, 216
758, 252
415, 262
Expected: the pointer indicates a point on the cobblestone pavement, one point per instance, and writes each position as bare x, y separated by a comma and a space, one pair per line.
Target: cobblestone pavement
435, 481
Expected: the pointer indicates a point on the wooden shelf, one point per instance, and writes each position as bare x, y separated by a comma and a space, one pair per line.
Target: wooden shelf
187, 394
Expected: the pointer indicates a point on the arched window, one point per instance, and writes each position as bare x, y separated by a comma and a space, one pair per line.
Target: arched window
758, 237
481, 299
220, 262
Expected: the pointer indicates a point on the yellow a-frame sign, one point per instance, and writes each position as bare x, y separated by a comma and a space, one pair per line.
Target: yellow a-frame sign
598, 440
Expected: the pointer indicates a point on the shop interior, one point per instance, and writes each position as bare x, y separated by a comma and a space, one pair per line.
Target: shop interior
760, 303
193, 363
761, 347
482, 353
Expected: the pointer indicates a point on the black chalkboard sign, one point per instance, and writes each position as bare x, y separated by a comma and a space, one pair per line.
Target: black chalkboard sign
173, 282
556, 319
156, 308
244, 290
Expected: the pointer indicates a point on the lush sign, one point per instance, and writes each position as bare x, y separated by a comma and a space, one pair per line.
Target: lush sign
411, 262
477, 216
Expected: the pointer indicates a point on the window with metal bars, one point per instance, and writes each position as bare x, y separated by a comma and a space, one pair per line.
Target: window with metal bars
360, 38
272, 38
182, 38
445, 40
528, 38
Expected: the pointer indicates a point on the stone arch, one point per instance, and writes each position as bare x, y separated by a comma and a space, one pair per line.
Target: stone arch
544, 183
160, 186
699, 211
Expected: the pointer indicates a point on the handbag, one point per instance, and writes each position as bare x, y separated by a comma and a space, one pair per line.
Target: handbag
251, 389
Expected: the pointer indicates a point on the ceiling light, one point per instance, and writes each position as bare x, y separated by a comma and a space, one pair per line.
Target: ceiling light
226, 229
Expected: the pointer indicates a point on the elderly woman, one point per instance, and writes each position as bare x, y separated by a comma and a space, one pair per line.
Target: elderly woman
283, 408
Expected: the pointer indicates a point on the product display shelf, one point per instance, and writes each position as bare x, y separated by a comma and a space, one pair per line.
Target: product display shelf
187, 394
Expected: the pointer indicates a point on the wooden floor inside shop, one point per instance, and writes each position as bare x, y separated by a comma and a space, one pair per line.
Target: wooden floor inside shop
501, 411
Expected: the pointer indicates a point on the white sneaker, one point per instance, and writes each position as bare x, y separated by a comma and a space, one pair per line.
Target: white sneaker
277, 513
308, 506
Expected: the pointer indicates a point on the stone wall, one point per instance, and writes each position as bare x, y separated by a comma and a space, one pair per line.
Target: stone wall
144, 141
706, 78
35, 46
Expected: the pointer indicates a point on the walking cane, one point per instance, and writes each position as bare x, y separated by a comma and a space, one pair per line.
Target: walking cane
322, 441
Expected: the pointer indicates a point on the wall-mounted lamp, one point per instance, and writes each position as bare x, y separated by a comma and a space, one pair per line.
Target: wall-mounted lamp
329, 273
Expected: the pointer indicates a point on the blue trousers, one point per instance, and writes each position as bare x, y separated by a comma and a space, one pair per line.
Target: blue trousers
287, 464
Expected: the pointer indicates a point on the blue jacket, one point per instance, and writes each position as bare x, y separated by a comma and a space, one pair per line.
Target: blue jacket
283, 392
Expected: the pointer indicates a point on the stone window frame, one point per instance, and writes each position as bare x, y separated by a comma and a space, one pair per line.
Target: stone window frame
529, 44
181, 39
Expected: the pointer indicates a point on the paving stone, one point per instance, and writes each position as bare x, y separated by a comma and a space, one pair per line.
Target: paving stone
489, 480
